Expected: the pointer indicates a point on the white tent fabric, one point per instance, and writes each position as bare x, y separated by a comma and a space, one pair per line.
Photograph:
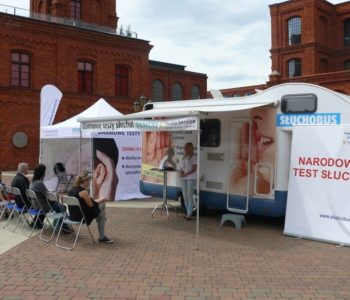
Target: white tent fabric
62, 142
71, 128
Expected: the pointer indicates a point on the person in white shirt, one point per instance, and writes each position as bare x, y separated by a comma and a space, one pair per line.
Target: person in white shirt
188, 174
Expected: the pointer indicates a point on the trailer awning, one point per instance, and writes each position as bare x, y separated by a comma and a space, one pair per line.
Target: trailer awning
188, 108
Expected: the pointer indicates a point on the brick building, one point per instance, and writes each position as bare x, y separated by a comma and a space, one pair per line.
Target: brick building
310, 43
75, 45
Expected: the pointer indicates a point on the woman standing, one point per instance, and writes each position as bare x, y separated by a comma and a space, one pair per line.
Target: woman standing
92, 209
188, 174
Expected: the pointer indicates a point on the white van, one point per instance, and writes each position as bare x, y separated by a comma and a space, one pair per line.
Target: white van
243, 143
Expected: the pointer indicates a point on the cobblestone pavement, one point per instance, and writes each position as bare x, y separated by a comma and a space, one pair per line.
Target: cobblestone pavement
157, 259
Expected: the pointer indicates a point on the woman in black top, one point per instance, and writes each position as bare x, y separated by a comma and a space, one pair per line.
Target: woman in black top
92, 209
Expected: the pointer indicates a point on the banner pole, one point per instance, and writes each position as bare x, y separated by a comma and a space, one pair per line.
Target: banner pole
80, 143
198, 172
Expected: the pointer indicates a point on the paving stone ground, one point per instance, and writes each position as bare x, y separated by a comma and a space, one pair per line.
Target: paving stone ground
157, 259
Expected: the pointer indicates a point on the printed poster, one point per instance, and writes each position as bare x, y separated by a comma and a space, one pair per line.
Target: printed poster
116, 165
319, 184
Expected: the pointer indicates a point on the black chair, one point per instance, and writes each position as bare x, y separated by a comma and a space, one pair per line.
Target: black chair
72, 201
63, 178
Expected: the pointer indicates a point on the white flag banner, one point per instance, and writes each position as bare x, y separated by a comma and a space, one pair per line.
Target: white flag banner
50, 98
318, 204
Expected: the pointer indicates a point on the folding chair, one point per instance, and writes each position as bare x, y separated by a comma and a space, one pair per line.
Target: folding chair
8, 203
52, 217
63, 178
15, 209
33, 212
3, 201
72, 201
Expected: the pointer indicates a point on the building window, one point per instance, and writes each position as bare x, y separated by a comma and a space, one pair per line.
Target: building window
176, 91
20, 69
294, 31
157, 90
121, 81
294, 67
324, 29
323, 65
347, 65
347, 33
195, 92
75, 9
85, 77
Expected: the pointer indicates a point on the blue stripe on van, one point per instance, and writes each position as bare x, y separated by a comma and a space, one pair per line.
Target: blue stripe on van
273, 207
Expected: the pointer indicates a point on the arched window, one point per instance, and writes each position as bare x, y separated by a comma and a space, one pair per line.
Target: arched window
121, 83
294, 31
157, 90
323, 65
85, 77
195, 92
176, 93
75, 9
323, 27
20, 69
40, 8
294, 67
347, 65
48, 7
347, 32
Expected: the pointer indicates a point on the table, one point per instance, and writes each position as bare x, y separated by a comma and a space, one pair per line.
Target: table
165, 204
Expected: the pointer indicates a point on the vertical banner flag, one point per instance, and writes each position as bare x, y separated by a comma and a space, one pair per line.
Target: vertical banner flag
50, 98
319, 184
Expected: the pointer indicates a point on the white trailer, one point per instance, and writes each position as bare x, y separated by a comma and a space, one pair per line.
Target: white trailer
243, 143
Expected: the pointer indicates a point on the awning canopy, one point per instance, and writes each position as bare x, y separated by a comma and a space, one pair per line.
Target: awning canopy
176, 115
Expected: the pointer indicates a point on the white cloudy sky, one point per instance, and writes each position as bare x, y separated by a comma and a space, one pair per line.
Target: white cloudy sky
229, 40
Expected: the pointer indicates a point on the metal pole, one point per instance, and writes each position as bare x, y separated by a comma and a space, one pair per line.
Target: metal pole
80, 146
198, 172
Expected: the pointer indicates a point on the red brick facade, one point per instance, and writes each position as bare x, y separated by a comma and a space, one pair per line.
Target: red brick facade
54, 49
321, 51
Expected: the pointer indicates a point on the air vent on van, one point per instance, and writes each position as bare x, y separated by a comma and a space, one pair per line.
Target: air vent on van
215, 185
215, 156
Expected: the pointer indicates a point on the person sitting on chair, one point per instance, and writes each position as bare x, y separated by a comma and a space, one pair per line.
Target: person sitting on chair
91, 208
37, 185
21, 182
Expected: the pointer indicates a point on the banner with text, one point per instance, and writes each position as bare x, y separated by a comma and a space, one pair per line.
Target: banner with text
319, 184
118, 155
185, 123
50, 98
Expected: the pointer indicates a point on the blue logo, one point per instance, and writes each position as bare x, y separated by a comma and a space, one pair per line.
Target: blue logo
288, 120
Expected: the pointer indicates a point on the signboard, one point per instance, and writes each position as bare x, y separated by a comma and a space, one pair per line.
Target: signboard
116, 169
186, 123
50, 98
319, 184
288, 120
